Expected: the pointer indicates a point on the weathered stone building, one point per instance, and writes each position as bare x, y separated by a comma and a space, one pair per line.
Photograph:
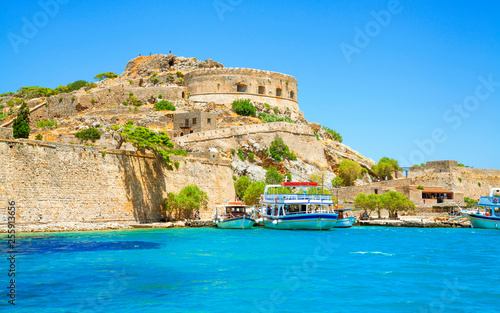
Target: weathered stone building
196, 121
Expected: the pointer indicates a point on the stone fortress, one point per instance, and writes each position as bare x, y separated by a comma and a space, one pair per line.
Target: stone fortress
224, 85
64, 178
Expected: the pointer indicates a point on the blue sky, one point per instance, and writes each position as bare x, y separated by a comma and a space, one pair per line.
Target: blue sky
420, 83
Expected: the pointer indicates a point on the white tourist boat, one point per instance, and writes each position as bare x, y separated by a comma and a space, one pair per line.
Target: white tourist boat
489, 217
344, 220
233, 215
297, 206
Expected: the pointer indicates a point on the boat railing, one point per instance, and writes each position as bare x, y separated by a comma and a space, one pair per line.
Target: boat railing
306, 212
297, 197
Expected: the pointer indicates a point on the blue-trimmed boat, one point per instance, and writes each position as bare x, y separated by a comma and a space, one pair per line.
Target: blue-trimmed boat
233, 215
490, 217
344, 220
296, 206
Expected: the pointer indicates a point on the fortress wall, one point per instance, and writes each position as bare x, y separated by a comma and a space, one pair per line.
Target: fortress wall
212, 84
472, 182
299, 138
64, 105
56, 183
349, 193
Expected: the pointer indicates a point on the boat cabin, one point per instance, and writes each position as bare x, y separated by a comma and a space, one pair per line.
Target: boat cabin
231, 210
292, 198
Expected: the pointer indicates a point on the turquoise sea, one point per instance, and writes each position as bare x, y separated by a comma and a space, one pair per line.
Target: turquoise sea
362, 269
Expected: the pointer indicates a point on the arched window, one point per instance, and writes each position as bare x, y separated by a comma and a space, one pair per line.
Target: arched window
183, 95
292, 95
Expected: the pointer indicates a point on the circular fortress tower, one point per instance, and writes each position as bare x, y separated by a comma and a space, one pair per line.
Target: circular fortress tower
224, 85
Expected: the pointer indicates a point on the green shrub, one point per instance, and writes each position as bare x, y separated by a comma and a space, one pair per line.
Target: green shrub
334, 134
130, 81
154, 74
2, 106
280, 150
155, 80
267, 105
106, 75
251, 157
275, 109
266, 153
130, 94
61, 99
316, 134
460, 179
137, 103
234, 177
92, 100
103, 153
240, 150
160, 96
273, 177
133, 99
181, 80
89, 134
39, 137
176, 164
244, 107
179, 74
479, 184
125, 103
48, 123
240, 155
271, 118
420, 187
164, 105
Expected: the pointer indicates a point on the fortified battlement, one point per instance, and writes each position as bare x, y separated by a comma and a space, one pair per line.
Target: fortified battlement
245, 130
224, 85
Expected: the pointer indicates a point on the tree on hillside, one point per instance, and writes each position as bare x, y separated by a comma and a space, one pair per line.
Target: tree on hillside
144, 138
279, 150
105, 75
273, 177
337, 182
253, 193
241, 185
21, 126
349, 171
385, 167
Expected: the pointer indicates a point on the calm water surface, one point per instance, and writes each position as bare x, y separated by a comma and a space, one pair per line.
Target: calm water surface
362, 269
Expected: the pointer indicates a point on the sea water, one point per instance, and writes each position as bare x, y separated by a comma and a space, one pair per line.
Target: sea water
361, 269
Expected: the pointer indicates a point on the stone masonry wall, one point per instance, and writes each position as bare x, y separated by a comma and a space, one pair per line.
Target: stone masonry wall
54, 183
299, 138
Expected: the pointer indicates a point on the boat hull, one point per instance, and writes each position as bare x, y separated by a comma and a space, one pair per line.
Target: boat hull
302, 222
345, 222
481, 221
236, 223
